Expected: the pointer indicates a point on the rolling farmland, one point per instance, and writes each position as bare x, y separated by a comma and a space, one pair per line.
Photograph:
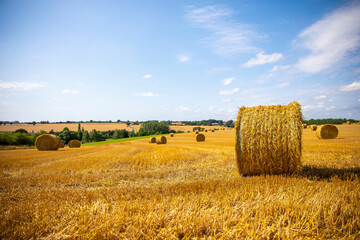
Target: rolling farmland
180, 190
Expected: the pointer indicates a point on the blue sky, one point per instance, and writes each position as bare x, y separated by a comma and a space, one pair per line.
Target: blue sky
177, 60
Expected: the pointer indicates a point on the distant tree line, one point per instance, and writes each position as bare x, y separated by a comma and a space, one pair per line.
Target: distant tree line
329, 121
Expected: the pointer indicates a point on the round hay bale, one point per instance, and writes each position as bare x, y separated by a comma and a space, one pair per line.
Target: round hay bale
74, 144
162, 140
200, 137
212, 130
268, 139
61, 145
152, 140
205, 130
171, 135
327, 131
312, 127
304, 126
46, 142
196, 132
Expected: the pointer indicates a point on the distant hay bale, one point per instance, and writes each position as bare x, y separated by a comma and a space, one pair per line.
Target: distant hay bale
312, 127
196, 132
171, 135
74, 144
162, 140
327, 131
205, 130
347, 123
268, 139
46, 142
200, 137
212, 130
61, 145
152, 140
304, 126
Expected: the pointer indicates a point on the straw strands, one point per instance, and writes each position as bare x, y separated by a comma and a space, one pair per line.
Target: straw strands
200, 137
268, 139
327, 131
47, 142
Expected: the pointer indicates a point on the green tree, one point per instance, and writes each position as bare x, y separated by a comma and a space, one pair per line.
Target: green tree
96, 136
154, 127
21, 130
120, 134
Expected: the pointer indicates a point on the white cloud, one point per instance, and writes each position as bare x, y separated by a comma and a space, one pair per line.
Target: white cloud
183, 58
227, 36
359, 100
229, 92
285, 84
147, 76
146, 94
319, 97
67, 91
357, 71
312, 107
355, 86
262, 58
210, 108
279, 67
20, 85
6, 103
330, 39
182, 109
330, 108
227, 81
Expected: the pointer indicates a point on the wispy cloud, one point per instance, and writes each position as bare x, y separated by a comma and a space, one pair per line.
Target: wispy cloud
330, 108
226, 100
313, 106
211, 108
68, 91
227, 81
20, 85
279, 67
284, 84
229, 92
330, 39
183, 58
182, 109
320, 97
147, 76
355, 86
146, 94
262, 58
228, 37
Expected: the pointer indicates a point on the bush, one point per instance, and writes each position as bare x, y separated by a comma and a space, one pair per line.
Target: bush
22, 139
153, 127
6, 139
120, 134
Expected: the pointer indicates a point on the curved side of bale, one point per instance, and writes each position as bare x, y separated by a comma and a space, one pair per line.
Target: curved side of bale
152, 140
312, 127
61, 145
327, 131
74, 144
46, 142
200, 137
268, 139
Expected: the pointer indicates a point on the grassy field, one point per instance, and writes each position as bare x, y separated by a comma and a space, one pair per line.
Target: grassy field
181, 190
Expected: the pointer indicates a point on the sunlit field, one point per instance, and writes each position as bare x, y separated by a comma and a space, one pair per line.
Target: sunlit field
182, 190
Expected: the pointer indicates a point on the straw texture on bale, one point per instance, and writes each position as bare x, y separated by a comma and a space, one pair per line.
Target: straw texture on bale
61, 145
47, 142
268, 139
327, 131
152, 140
74, 144
162, 140
312, 127
200, 137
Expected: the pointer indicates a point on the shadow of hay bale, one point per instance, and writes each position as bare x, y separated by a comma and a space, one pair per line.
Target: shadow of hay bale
318, 173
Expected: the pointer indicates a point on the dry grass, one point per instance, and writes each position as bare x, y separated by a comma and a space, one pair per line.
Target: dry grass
136, 190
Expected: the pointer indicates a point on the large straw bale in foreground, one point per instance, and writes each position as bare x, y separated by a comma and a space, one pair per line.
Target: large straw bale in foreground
200, 137
47, 142
74, 144
152, 140
327, 131
162, 140
268, 139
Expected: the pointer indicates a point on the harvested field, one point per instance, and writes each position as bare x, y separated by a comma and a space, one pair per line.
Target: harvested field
180, 190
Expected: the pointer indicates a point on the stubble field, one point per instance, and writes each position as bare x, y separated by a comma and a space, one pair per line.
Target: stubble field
181, 190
